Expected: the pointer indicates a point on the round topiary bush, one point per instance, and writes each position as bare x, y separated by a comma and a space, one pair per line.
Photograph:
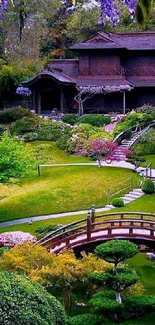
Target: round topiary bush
117, 202
85, 319
24, 302
148, 186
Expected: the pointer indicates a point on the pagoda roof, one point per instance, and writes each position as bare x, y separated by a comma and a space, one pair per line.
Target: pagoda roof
129, 41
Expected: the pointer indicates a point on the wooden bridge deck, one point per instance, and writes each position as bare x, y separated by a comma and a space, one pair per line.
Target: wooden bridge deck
126, 225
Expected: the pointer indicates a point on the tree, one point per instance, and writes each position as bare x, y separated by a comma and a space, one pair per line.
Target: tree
110, 303
15, 160
24, 302
63, 274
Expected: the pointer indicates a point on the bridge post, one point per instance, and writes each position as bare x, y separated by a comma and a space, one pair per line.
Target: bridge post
93, 216
89, 225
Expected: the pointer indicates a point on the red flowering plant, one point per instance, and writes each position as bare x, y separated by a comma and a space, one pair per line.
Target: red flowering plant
99, 149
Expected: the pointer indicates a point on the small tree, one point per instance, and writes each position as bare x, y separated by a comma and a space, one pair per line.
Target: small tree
115, 280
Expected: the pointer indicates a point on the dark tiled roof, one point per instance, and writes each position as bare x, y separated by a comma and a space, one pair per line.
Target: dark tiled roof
81, 81
129, 41
55, 74
142, 81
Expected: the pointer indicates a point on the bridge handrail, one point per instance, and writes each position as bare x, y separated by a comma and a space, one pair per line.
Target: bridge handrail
63, 231
60, 229
125, 213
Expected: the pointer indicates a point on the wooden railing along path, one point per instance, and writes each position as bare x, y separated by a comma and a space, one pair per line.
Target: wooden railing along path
127, 225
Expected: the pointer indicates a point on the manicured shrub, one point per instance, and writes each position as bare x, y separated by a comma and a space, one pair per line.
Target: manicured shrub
24, 125
24, 302
29, 137
69, 118
51, 130
85, 319
13, 114
148, 186
95, 120
118, 203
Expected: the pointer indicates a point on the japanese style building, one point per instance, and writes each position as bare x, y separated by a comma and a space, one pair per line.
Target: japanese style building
114, 73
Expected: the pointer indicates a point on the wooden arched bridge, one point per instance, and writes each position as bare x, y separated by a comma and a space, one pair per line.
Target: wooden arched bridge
125, 225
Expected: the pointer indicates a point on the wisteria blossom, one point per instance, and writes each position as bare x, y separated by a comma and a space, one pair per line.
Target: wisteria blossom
24, 91
109, 10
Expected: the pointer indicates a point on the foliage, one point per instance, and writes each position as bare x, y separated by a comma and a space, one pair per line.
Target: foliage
15, 160
24, 258
148, 109
95, 120
145, 144
117, 202
116, 251
46, 229
85, 319
133, 119
63, 273
69, 118
3, 250
24, 302
148, 186
31, 136
139, 305
11, 75
51, 130
2, 129
13, 114
123, 279
82, 137
24, 125
110, 303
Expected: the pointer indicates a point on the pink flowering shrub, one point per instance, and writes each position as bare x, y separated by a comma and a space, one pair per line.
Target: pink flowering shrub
10, 239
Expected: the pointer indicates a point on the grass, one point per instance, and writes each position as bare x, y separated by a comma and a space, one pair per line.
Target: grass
149, 158
137, 206
61, 189
145, 204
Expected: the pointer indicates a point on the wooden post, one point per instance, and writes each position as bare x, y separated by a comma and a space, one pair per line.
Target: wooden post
39, 170
39, 103
89, 224
62, 100
93, 216
124, 102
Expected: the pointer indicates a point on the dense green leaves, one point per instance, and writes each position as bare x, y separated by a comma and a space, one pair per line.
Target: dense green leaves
123, 279
116, 251
23, 302
15, 160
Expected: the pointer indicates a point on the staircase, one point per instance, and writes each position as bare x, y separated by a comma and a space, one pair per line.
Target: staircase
120, 153
127, 198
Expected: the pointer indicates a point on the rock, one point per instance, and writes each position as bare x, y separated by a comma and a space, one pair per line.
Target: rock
12, 238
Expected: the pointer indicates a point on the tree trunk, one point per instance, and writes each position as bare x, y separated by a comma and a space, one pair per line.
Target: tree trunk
118, 297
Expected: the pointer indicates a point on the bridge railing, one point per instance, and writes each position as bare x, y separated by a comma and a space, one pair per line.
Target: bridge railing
83, 229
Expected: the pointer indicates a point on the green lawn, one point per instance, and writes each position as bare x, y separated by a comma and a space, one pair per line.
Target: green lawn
144, 204
61, 189
149, 158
